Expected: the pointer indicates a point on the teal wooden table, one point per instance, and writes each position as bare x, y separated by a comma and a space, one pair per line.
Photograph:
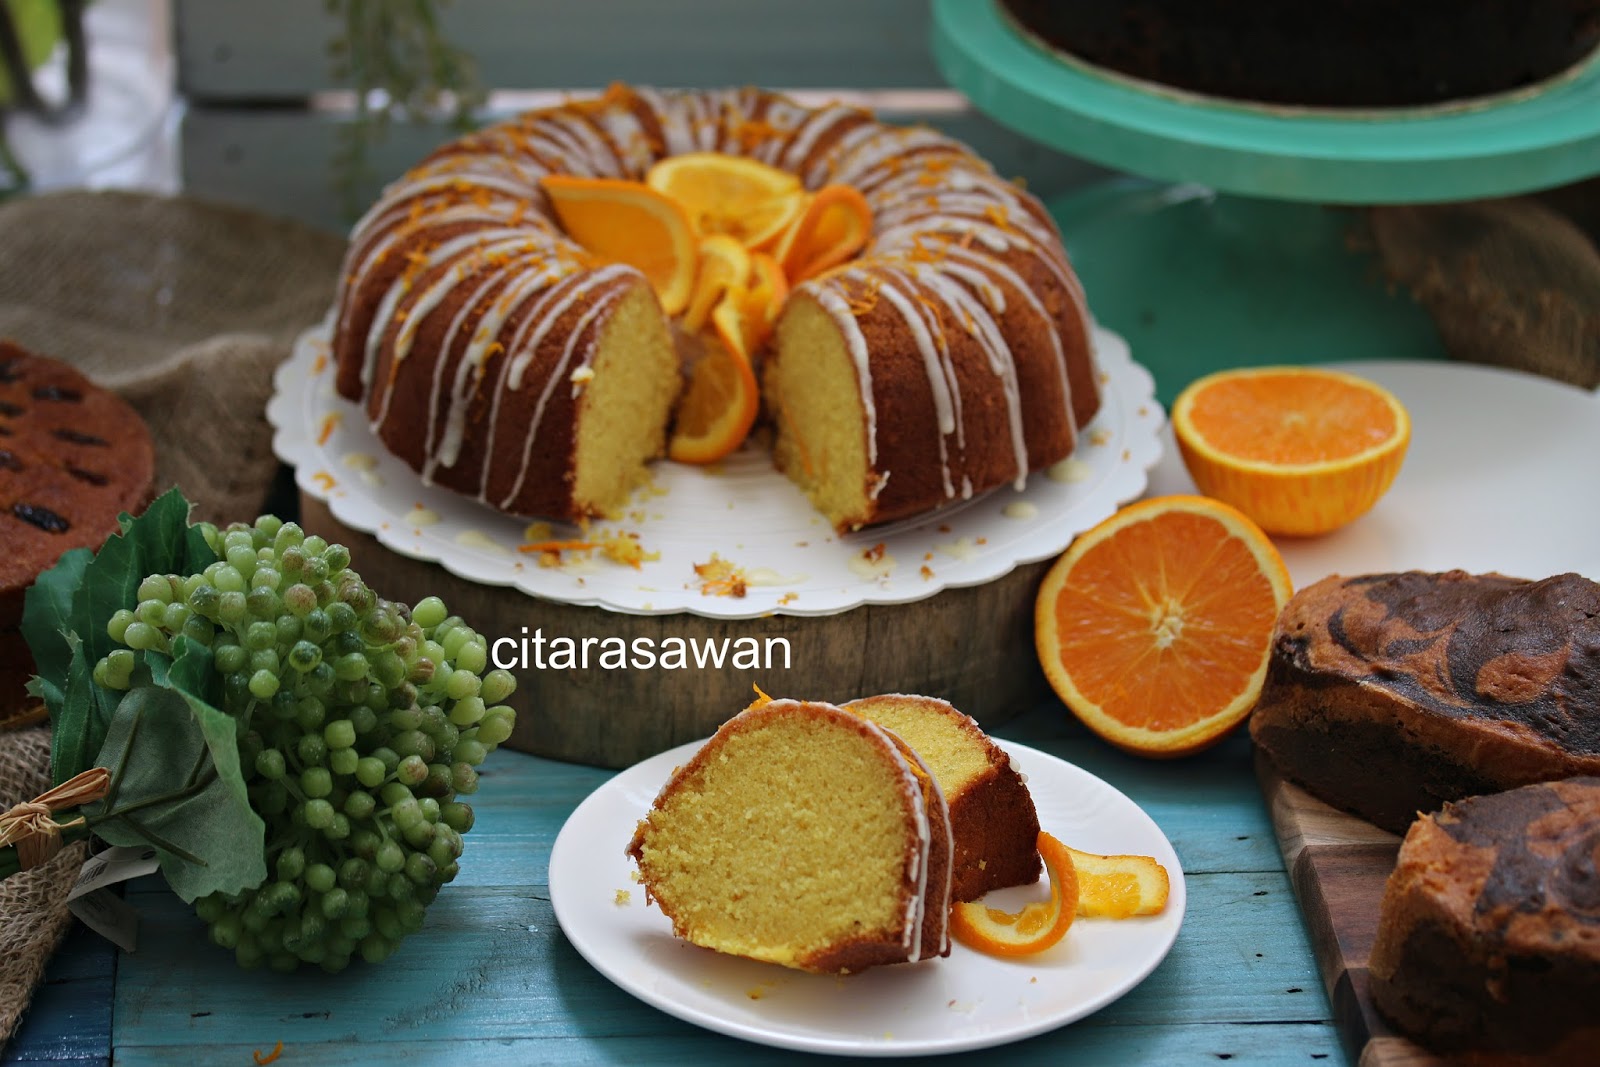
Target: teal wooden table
492, 979
1196, 283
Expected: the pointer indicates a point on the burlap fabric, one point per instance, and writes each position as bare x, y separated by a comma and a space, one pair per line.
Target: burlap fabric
185, 308
33, 908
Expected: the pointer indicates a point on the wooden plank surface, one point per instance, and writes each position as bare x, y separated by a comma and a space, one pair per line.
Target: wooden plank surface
492, 977
1338, 865
248, 50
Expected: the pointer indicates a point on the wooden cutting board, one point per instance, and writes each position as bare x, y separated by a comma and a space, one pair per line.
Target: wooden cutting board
1338, 865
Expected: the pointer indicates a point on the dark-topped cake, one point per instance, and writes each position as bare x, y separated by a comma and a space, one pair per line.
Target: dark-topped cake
1391, 694
1337, 53
72, 458
1489, 935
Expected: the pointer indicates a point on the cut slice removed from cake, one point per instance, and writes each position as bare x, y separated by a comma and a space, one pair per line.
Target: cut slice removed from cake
992, 816
801, 835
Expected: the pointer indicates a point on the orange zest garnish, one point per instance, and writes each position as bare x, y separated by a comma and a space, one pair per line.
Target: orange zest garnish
1155, 626
720, 577
761, 700
628, 222
277, 1050
835, 226
1038, 926
1301, 450
559, 546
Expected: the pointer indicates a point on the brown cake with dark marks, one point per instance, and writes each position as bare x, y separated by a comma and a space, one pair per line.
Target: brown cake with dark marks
1390, 694
72, 458
1488, 944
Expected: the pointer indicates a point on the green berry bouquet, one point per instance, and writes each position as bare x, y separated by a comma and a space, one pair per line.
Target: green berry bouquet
294, 746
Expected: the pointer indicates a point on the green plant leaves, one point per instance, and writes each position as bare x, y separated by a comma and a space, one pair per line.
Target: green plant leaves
177, 783
66, 611
174, 756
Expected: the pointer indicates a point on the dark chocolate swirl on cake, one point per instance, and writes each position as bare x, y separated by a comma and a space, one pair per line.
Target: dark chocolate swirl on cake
1391, 694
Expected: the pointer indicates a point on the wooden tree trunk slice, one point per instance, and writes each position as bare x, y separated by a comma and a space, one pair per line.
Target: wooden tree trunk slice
971, 646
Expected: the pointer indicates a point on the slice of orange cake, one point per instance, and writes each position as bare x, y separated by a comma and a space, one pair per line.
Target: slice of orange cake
803, 835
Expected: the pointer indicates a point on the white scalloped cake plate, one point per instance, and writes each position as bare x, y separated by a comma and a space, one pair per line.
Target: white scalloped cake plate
965, 1001
742, 509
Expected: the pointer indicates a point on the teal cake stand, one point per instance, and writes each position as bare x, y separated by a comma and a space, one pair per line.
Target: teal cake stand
1507, 144
1257, 255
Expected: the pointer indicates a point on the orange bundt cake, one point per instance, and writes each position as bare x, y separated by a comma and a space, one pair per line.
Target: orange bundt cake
803, 835
500, 359
992, 818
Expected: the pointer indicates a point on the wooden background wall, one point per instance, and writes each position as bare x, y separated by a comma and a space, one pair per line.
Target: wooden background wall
264, 109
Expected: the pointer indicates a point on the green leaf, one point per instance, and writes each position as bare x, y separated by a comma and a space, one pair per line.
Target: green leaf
64, 622
46, 622
177, 784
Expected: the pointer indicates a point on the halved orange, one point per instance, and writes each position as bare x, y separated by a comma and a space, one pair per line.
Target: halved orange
742, 198
718, 407
1154, 627
723, 264
1037, 926
1300, 450
835, 226
628, 222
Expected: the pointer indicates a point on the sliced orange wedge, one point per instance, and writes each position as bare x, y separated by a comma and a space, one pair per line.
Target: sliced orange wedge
723, 264
628, 222
1037, 926
742, 198
768, 290
720, 403
835, 226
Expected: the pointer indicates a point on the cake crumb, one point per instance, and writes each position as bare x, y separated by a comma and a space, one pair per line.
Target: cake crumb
1100, 436
788, 598
720, 577
874, 562
622, 899
634, 877
1034, 980
927, 572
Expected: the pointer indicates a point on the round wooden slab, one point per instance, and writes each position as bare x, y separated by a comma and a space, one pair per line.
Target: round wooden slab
972, 646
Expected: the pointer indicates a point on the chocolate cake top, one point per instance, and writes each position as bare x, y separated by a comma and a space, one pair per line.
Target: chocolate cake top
1488, 647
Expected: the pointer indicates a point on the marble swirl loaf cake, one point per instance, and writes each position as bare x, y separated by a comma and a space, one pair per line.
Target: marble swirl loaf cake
802, 835
992, 818
499, 359
1488, 942
1390, 694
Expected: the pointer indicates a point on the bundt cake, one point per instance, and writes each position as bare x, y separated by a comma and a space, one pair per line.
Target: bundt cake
499, 359
992, 818
1390, 694
803, 835
73, 457
1488, 940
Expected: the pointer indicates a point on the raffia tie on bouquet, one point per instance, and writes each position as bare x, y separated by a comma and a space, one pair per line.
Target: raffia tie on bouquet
30, 825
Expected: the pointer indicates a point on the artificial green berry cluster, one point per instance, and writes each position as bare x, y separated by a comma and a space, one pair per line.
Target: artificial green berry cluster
360, 723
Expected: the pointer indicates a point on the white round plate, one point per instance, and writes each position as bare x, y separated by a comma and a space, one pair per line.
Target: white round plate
965, 1001
743, 510
1499, 476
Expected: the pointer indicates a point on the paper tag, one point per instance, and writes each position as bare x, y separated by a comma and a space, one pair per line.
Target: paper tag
109, 916
102, 910
114, 865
